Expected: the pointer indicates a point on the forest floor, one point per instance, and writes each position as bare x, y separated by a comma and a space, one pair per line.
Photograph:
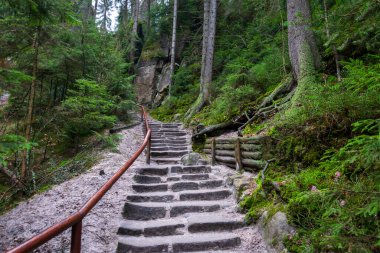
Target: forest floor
99, 227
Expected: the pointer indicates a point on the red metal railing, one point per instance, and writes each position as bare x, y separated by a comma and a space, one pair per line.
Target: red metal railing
75, 220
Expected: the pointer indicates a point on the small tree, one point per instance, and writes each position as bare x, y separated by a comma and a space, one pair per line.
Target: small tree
88, 108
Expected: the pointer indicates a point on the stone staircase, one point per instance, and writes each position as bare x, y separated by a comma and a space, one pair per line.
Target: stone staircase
177, 208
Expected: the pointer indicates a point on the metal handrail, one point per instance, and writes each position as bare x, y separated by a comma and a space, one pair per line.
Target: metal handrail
75, 220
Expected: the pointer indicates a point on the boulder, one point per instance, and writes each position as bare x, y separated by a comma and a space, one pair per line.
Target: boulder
274, 229
191, 159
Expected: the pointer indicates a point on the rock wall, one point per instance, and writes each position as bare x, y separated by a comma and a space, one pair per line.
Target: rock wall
152, 82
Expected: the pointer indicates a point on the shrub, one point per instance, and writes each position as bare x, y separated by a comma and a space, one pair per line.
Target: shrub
88, 108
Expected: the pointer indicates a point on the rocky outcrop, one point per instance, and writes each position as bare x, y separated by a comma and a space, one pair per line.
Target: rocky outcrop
144, 82
162, 85
152, 82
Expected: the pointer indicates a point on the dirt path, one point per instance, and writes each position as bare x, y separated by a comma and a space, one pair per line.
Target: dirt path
99, 227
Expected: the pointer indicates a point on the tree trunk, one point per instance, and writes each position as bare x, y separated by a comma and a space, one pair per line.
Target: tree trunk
135, 15
206, 23
136, 7
126, 14
148, 19
29, 118
303, 50
104, 21
174, 36
209, 28
207, 77
282, 38
335, 52
95, 9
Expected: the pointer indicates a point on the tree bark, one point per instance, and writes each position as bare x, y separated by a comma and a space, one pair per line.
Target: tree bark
303, 50
174, 37
135, 15
104, 21
136, 7
96, 9
209, 28
148, 19
206, 23
29, 118
207, 78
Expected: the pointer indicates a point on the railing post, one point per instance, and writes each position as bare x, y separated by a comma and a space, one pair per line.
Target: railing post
148, 151
76, 237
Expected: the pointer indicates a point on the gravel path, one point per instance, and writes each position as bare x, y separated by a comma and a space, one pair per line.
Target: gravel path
99, 227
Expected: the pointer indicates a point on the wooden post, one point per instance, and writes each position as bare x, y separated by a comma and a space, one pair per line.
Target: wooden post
239, 165
213, 151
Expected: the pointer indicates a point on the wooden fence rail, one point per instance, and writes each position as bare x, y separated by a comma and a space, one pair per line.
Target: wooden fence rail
238, 153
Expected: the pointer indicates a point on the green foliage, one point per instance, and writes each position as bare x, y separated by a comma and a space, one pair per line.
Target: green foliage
171, 107
228, 104
361, 77
108, 141
334, 199
338, 105
10, 144
87, 108
255, 204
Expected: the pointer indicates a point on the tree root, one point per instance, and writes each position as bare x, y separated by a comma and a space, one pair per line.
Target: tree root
13, 177
287, 86
214, 128
195, 108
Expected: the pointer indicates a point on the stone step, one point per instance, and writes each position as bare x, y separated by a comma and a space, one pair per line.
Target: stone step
169, 140
156, 170
163, 137
195, 177
179, 148
178, 243
166, 160
168, 134
163, 142
198, 223
178, 186
150, 187
195, 223
153, 123
194, 185
142, 179
157, 210
160, 227
168, 153
190, 169
157, 127
169, 145
169, 130
205, 195
151, 197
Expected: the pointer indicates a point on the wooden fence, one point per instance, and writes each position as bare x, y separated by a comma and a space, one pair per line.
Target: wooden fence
238, 153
